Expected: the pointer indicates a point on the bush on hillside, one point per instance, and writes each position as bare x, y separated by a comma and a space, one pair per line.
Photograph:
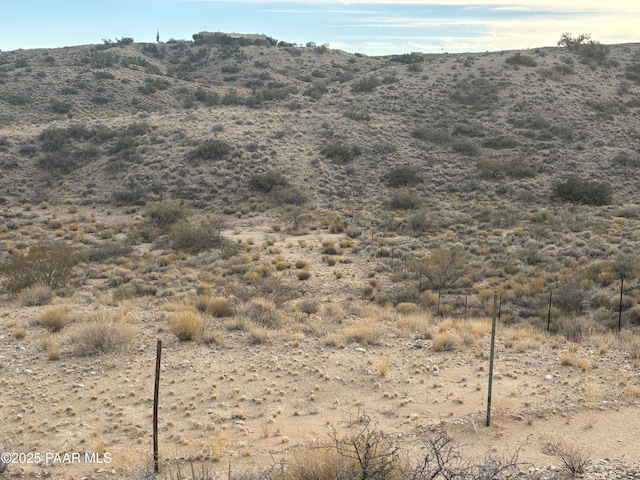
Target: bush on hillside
49, 265
580, 190
268, 181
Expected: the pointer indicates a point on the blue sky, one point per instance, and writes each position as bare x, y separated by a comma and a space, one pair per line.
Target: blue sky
378, 27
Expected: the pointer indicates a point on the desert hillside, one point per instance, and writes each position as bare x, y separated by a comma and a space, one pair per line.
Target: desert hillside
318, 238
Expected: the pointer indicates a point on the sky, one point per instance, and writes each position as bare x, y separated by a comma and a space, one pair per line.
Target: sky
374, 27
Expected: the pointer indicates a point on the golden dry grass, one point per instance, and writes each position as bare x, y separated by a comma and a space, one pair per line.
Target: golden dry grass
54, 319
186, 325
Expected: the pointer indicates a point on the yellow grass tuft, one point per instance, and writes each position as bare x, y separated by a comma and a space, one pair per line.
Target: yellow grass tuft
446, 341
364, 331
54, 319
216, 306
187, 326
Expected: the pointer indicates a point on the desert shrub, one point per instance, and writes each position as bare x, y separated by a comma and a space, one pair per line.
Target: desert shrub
163, 215
571, 298
58, 106
519, 167
131, 193
105, 250
49, 265
358, 115
54, 319
308, 306
262, 312
103, 333
212, 149
580, 190
290, 196
477, 92
403, 199
367, 84
209, 98
433, 135
315, 91
573, 458
196, 238
304, 274
626, 159
466, 147
499, 142
35, 295
384, 148
403, 176
519, 59
266, 182
607, 109
341, 153
584, 46
490, 168
216, 306
187, 326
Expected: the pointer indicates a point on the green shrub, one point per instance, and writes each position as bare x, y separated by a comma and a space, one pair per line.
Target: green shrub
290, 196
403, 199
58, 106
580, 190
520, 59
367, 84
403, 176
196, 238
358, 115
499, 142
433, 135
341, 153
626, 159
49, 265
212, 149
465, 147
164, 214
266, 182
585, 47
315, 91
476, 92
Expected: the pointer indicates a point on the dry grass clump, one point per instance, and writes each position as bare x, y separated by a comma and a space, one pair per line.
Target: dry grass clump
308, 306
35, 295
262, 312
19, 332
186, 325
476, 328
258, 336
216, 306
54, 319
364, 331
304, 274
416, 324
313, 462
446, 342
406, 308
300, 264
216, 444
52, 347
103, 333
332, 312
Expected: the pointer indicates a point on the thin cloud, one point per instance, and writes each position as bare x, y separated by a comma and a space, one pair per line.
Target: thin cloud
621, 6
